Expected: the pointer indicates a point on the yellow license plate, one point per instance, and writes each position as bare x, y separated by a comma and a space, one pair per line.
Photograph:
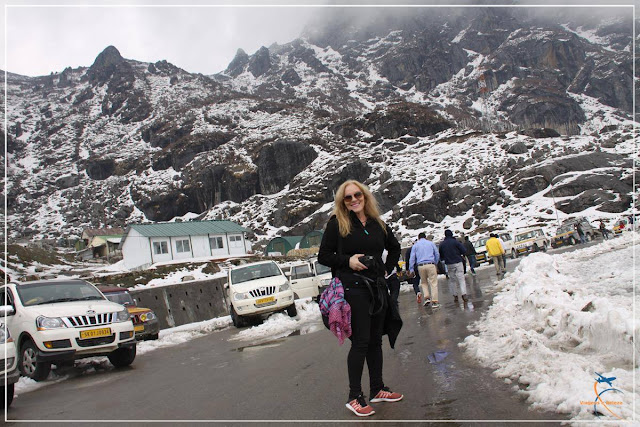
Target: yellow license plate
95, 333
265, 300
138, 328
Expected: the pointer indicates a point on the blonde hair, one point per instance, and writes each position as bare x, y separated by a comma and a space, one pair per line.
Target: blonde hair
342, 213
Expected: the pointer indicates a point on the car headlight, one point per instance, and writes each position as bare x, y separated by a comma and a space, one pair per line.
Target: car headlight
43, 323
240, 296
5, 336
123, 316
147, 316
284, 287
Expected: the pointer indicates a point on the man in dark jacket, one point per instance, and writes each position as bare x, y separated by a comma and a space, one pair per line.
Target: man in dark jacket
471, 254
452, 252
414, 277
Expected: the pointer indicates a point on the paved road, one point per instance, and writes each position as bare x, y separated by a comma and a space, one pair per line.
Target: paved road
299, 377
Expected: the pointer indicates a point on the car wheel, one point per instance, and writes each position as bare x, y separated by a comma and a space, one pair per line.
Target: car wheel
153, 337
514, 254
536, 248
238, 321
29, 366
544, 247
122, 357
9, 396
588, 238
572, 241
292, 311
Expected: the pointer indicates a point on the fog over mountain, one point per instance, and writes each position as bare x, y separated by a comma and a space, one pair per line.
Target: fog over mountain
469, 118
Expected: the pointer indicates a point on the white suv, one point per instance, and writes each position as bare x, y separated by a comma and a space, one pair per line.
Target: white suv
9, 367
59, 321
258, 288
530, 240
308, 278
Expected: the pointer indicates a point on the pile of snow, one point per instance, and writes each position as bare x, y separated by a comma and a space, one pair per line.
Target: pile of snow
557, 322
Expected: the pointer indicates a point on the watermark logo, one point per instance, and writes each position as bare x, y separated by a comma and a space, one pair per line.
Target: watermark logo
605, 400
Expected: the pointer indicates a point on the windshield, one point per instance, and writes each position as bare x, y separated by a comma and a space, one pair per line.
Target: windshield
254, 272
564, 229
525, 236
123, 298
54, 292
505, 237
321, 269
480, 243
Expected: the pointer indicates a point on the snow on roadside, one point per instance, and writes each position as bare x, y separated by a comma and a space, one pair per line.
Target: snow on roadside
558, 320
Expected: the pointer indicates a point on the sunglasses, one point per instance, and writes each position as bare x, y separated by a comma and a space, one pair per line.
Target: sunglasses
357, 195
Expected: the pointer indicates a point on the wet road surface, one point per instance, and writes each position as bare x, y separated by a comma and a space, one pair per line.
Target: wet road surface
299, 377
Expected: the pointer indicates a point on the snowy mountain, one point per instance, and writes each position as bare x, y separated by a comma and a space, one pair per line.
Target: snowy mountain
464, 118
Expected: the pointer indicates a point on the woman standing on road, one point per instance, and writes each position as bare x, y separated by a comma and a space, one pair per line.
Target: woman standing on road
354, 231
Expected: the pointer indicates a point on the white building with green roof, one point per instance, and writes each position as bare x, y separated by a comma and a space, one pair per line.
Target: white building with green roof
146, 244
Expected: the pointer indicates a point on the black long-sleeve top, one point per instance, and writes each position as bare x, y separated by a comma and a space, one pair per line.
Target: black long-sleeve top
368, 240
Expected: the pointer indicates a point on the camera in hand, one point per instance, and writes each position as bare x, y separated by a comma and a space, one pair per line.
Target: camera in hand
368, 261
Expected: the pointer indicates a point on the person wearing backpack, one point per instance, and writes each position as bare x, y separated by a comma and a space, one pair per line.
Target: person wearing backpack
352, 245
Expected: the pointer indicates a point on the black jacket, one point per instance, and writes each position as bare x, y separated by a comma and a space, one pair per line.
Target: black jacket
469, 247
451, 251
372, 242
369, 240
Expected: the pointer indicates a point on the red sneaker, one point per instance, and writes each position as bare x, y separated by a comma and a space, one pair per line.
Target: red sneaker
419, 298
386, 395
359, 407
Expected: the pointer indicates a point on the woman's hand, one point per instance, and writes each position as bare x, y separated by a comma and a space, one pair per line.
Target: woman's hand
355, 264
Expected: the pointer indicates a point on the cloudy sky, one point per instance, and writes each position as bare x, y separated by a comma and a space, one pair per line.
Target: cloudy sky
198, 38
201, 38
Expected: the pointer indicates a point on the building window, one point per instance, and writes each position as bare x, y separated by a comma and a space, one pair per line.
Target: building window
183, 245
235, 241
216, 242
160, 248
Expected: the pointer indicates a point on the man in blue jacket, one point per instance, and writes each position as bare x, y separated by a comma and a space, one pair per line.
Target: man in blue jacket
452, 252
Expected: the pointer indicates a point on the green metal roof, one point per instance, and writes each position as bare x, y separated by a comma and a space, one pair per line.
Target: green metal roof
188, 228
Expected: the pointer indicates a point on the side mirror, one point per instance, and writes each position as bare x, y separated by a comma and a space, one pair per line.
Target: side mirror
287, 273
7, 310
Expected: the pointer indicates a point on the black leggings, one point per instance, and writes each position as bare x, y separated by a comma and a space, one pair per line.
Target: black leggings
366, 342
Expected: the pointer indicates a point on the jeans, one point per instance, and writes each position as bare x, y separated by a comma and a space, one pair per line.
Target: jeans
415, 282
472, 262
366, 342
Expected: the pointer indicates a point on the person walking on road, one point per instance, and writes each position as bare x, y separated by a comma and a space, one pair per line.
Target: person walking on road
496, 251
580, 232
425, 257
452, 251
471, 254
604, 231
414, 276
352, 245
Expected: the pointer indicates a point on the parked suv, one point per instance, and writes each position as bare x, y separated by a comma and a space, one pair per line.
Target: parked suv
258, 288
308, 278
9, 368
566, 233
59, 321
530, 240
481, 250
145, 321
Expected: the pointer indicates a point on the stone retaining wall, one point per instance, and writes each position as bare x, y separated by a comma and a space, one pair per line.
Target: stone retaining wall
185, 302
